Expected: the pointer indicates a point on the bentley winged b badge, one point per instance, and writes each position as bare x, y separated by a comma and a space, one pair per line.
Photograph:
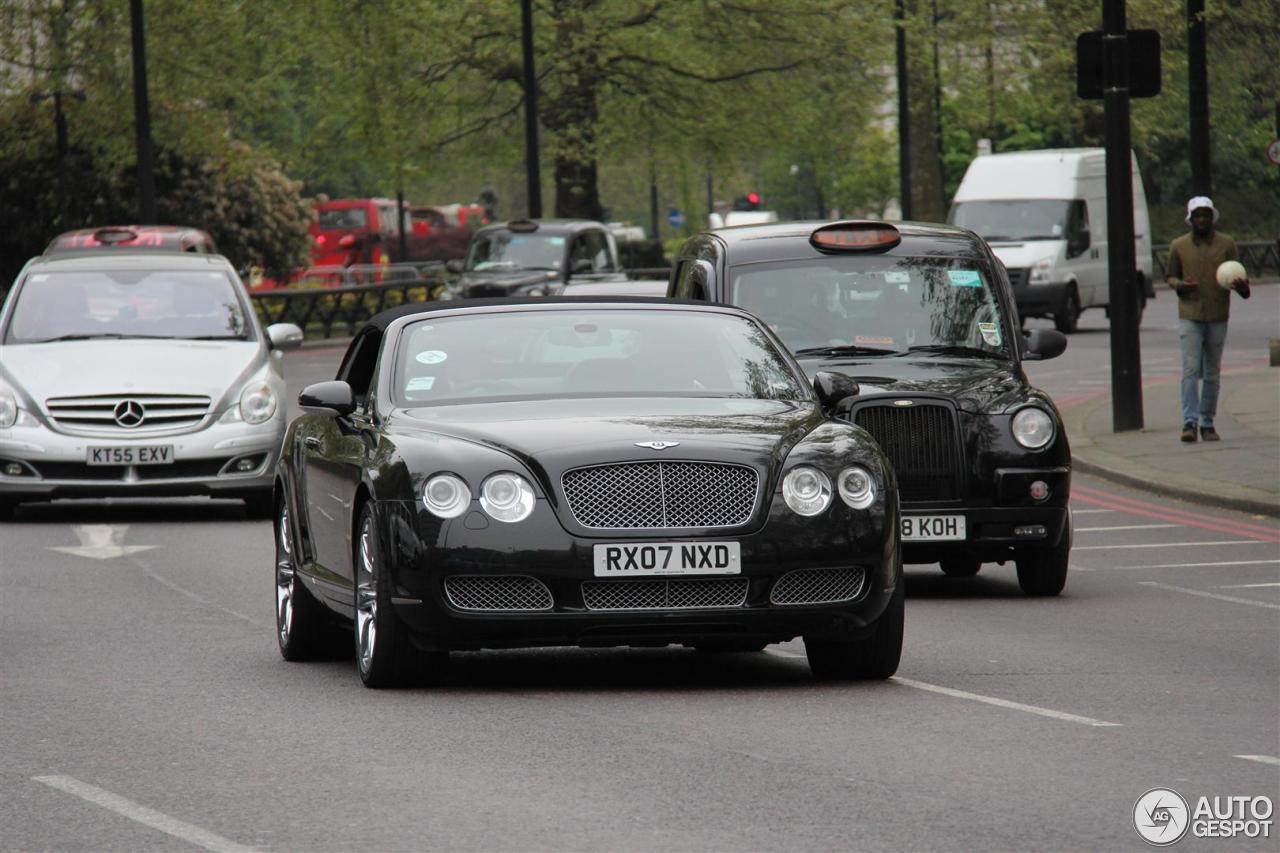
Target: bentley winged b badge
657, 445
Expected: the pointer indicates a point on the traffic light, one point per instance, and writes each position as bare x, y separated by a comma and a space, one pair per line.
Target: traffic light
750, 201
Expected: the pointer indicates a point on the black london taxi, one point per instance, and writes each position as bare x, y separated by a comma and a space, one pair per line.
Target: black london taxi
921, 317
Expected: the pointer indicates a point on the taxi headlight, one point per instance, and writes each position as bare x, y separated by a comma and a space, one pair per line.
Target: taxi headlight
8, 409
806, 490
507, 497
856, 486
446, 495
1032, 428
257, 403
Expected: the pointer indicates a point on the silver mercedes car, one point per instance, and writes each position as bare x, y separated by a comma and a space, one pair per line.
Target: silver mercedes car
139, 374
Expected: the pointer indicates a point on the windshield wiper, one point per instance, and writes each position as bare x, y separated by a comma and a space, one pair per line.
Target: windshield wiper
83, 337
957, 349
846, 349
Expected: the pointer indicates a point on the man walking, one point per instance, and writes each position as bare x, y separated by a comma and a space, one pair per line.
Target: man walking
1203, 308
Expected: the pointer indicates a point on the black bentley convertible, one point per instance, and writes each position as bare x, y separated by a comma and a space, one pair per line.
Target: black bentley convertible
593, 472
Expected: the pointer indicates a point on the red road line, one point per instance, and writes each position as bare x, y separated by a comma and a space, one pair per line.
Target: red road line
1109, 500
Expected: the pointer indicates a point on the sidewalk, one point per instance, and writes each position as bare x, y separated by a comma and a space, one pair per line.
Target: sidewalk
1240, 472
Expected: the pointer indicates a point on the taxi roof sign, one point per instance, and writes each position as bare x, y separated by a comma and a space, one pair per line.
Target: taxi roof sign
855, 236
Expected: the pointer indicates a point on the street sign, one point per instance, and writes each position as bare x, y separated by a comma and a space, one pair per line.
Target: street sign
1144, 64
1273, 152
675, 218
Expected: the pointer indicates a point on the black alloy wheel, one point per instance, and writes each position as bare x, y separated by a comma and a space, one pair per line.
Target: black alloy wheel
301, 621
960, 566
1067, 318
871, 657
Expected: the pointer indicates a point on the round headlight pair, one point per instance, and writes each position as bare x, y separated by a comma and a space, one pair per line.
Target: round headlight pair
504, 496
1032, 427
808, 491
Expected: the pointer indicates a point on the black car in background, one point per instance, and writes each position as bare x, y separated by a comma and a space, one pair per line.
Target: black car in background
535, 257
583, 471
922, 317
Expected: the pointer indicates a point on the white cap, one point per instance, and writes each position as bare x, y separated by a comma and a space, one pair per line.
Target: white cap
1197, 202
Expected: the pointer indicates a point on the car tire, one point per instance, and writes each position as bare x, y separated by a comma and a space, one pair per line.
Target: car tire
961, 566
6, 510
301, 622
261, 505
1067, 318
1043, 571
873, 657
385, 656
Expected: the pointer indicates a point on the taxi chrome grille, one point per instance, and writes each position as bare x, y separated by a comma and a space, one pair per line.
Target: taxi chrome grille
497, 592
153, 411
921, 443
658, 594
818, 586
633, 495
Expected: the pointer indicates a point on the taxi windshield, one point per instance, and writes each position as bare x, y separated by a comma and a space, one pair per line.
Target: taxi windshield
589, 353
127, 304
500, 249
877, 304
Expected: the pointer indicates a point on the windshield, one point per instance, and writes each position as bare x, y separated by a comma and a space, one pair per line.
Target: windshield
127, 304
875, 302
496, 250
601, 352
344, 218
1028, 219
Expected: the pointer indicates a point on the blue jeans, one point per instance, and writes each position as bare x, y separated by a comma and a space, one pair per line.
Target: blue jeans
1202, 345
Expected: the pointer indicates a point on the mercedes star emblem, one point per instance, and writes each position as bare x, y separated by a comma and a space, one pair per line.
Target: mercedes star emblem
657, 445
129, 413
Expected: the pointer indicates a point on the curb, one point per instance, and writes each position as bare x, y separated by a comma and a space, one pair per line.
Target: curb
1099, 463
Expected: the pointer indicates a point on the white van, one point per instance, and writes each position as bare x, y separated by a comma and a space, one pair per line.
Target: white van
1044, 214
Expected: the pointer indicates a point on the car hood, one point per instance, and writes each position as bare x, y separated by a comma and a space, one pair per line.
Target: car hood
495, 283
554, 435
976, 384
81, 368
1016, 255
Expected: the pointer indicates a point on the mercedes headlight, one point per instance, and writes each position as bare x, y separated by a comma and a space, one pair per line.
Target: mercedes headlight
257, 403
1033, 427
446, 495
507, 497
8, 408
856, 486
806, 490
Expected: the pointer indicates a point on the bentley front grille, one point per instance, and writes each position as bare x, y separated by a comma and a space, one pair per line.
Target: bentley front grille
659, 594
637, 495
128, 413
507, 593
921, 443
818, 586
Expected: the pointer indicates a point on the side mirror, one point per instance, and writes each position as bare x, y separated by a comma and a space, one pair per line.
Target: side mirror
328, 398
580, 265
834, 388
284, 336
1043, 344
453, 265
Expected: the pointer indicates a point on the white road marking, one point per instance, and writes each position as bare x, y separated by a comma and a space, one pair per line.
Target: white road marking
1125, 527
1250, 585
1201, 565
1261, 759
101, 542
1213, 595
1170, 545
978, 697
141, 814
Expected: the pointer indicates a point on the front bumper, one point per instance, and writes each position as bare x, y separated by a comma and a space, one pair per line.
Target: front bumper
994, 528
563, 564
1037, 300
206, 461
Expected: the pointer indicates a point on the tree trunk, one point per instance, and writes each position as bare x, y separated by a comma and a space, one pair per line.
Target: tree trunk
571, 113
928, 203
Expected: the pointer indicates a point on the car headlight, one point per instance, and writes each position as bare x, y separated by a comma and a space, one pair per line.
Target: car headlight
8, 409
1040, 271
446, 495
857, 488
1032, 427
806, 490
507, 497
257, 403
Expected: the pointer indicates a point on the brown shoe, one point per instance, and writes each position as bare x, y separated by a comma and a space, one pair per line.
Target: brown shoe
1188, 432
1209, 434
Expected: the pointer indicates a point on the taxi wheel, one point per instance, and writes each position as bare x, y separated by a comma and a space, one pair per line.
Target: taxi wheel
1043, 572
261, 505
962, 566
1067, 318
385, 656
300, 620
874, 656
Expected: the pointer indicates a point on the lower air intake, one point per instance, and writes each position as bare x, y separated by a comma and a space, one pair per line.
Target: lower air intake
818, 586
664, 594
507, 593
